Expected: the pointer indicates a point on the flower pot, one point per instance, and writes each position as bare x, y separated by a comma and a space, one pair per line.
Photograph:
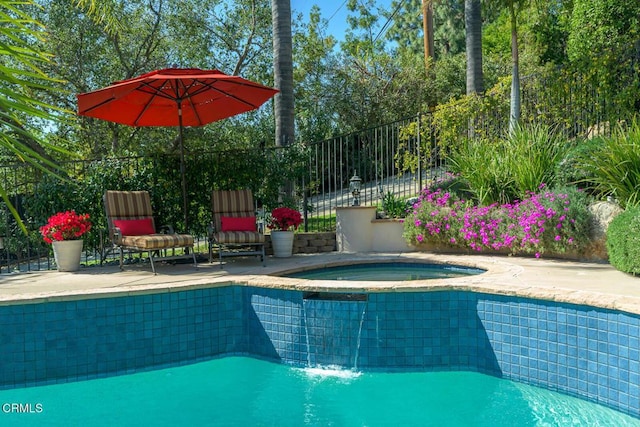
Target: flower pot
282, 243
67, 254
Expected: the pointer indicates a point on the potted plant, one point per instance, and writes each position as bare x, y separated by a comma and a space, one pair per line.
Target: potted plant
64, 231
282, 222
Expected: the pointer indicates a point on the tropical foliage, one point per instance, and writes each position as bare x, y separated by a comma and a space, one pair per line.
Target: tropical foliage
510, 168
612, 165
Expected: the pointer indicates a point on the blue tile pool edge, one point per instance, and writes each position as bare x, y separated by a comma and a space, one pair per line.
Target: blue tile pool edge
579, 350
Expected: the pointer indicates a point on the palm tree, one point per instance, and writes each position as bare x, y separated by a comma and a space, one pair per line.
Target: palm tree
514, 115
283, 71
22, 78
473, 31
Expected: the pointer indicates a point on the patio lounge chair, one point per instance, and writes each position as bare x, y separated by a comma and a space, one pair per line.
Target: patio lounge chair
233, 228
132, 227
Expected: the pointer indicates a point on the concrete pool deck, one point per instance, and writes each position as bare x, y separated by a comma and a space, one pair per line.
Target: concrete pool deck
593, 284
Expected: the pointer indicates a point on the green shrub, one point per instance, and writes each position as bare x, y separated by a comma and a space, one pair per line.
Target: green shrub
571, 169
613, 168
505, 170
533, 155
393, 206
481, 165
623, 241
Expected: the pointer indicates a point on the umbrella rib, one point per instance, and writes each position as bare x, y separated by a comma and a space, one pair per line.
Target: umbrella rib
206, 85
156, 92
93, 107
210, 86
189, 98
194, 110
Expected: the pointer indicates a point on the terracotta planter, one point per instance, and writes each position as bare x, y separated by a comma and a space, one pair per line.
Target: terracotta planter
67, 254
282, 243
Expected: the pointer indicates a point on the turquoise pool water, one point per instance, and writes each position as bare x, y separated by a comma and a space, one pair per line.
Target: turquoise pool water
387, 272
239, 391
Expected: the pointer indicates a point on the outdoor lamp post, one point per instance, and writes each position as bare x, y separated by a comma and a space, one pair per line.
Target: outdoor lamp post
354, 186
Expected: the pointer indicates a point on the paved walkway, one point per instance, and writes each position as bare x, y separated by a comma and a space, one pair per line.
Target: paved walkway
596, 284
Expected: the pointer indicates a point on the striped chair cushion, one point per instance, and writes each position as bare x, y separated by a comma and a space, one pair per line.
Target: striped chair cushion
121, 205
125, 205
158, 241
128, 204
237, 203
238, 237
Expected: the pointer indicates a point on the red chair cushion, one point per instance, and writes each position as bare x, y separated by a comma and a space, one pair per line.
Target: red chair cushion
134, 227
238, 223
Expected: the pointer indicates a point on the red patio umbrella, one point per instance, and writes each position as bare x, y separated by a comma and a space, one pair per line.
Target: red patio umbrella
175, 97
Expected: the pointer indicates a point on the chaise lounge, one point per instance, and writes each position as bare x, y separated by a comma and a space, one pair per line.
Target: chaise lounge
233, 228
132, 227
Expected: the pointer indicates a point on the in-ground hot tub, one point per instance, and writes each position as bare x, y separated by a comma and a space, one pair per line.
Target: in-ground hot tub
385, 271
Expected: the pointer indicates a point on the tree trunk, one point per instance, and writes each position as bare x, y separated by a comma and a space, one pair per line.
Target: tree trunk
283, 71
283, 80
473, 33
427, 28
514, 115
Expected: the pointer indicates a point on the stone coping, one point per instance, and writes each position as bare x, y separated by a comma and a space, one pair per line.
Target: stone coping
592, 284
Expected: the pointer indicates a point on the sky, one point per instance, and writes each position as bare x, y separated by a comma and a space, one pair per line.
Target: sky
335, 11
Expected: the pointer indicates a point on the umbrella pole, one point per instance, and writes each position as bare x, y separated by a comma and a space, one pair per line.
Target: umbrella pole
182, 169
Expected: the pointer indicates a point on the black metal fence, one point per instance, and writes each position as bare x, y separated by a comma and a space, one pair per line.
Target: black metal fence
393, 158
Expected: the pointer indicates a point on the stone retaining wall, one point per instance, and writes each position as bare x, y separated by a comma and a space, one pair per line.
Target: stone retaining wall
308, 243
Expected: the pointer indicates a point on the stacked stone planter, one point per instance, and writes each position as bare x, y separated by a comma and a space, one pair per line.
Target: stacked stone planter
308, 243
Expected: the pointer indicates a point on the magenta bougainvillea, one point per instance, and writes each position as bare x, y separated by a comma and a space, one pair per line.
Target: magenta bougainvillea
284, 218
545, 221
65, 226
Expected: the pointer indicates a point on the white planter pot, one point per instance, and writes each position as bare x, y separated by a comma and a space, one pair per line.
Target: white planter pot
67, 254
282, 243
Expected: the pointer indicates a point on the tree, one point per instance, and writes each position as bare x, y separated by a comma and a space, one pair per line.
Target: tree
406, 28
235, 37
22, 80
427, 28
473, 31
514, 113
602, 29
315, 89
283, 72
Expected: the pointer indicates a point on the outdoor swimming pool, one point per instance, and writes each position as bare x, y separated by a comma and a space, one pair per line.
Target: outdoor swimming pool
386, 271
574, 349
239, 391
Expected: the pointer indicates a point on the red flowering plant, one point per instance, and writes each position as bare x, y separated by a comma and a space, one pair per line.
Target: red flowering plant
65, 226
284, 218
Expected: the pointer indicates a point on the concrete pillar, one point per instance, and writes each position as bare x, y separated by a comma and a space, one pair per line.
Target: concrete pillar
353, 228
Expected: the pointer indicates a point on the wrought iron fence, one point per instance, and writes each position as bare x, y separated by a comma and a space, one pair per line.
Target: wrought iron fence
393, 159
